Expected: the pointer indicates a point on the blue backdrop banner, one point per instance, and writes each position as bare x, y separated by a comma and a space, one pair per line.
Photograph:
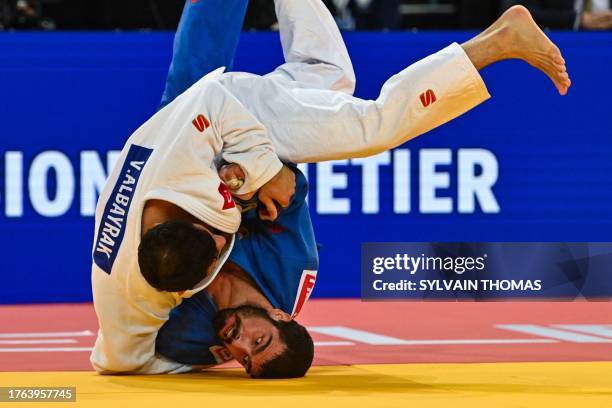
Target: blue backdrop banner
526, 166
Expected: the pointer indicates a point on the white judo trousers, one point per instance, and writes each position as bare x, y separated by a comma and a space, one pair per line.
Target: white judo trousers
307, 107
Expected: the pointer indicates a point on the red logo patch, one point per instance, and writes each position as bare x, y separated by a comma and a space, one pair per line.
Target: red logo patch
228, 200
201, 123
428, 97
221, 354
304, 290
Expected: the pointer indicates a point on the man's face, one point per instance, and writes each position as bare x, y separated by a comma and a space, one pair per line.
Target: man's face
250, 335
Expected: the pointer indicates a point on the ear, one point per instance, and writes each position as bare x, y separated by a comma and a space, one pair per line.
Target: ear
279, 315
212, 267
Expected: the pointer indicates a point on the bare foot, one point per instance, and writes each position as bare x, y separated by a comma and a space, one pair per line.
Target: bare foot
527, 42
516, 35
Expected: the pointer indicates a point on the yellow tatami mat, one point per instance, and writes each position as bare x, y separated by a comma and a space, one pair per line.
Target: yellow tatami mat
578, 385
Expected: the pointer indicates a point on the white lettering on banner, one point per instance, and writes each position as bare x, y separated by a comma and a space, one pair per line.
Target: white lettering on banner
58, 201
434, 182
327, 182
477, 174
13, 184
40, 197
370, 181
471, 186
401, 181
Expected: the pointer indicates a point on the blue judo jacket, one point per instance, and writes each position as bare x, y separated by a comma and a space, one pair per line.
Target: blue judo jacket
280, 256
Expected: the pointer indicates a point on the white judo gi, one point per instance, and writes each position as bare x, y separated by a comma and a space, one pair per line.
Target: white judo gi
307, 111
170, 158
307, 105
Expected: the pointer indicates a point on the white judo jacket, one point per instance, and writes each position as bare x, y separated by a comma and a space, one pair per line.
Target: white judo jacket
169, 158
309, 114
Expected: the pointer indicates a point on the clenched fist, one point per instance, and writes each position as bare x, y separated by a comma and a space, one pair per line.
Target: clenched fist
277, 192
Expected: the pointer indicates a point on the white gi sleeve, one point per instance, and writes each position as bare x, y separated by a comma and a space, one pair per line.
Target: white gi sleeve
245, 141
129, 322
312, 125
151, 364
314, 50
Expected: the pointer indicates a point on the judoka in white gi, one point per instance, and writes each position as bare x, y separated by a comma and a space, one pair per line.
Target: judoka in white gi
165, 185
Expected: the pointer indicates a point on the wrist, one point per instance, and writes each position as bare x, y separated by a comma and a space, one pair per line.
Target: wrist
266, 172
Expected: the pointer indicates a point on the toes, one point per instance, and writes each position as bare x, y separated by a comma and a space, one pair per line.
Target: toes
562, 81
562, 89
563, 86
558, 59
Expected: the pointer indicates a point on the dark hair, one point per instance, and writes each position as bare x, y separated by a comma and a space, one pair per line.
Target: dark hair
297, 358
175, 255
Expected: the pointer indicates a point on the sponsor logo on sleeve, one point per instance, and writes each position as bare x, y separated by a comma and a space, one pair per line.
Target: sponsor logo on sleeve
428, 97
114, 218
201, 123
307, 283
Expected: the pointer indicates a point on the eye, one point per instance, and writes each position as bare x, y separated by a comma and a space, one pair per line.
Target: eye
259, 340
245, 360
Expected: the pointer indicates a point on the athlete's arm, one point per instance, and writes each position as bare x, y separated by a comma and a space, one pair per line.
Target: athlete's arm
244, 138
129, 359
128, 328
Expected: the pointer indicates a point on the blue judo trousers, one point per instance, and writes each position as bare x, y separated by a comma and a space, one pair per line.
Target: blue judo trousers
281, 256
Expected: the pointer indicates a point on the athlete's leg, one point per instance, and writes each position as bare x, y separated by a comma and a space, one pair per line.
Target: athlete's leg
314, 50
317, 125
206, 39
